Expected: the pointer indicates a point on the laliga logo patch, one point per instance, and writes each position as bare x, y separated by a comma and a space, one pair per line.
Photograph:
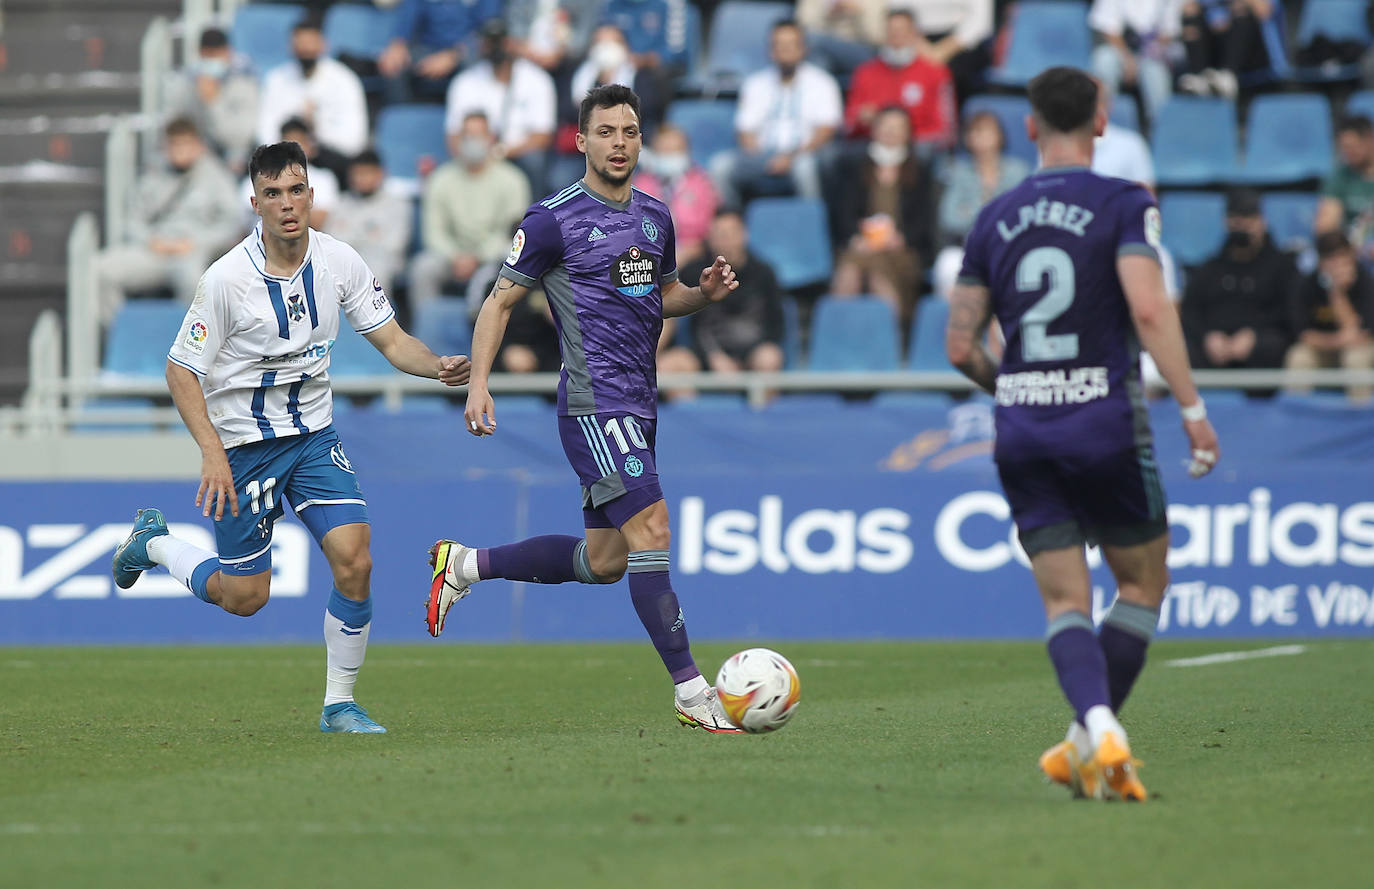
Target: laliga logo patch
295, 305
634, 273
517, 246
650, 230
195, 337
634, 467
1154, 227
336, 454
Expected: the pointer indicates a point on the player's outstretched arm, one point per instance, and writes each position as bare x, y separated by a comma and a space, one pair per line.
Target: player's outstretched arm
1157, 325
487, 334
408, 354
717, 282
216, 479
970, 311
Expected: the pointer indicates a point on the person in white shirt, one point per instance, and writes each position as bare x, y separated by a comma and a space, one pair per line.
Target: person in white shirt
786, 120
323, 91
1140, 45
517, 97
249, 372
1121, 152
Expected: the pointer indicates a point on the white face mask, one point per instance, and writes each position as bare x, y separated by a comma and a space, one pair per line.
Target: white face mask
671, 166
607, 55
472, 152
887, 155
898, 57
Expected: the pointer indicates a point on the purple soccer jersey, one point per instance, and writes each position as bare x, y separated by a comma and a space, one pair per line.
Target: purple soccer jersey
1069, 381
603, 265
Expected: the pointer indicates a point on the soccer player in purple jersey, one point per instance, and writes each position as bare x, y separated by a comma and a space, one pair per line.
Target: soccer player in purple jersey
1068, 263
605, 254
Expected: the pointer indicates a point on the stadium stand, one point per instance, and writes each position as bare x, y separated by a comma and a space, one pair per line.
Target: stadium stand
739, 43
410, 139
444, 326
710, 124
1287, 139
262, 32
138, 323
1361, 102
853, 334
1194, 224
1291, 217
1011, 111
792, 235
357, 30
1336, 21
1044, 34
926, 349
1194, 142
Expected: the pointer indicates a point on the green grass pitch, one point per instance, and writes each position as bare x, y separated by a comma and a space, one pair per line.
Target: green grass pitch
907, 765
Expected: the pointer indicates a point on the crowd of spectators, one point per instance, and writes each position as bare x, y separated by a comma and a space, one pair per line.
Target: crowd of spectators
859, 104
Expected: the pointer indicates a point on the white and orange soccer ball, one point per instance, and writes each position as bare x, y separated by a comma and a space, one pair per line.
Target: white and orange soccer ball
759, 690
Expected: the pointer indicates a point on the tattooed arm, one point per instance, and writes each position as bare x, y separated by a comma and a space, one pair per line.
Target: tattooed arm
487, 334
970, 311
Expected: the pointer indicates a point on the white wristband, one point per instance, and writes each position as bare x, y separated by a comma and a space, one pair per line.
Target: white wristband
1194, 412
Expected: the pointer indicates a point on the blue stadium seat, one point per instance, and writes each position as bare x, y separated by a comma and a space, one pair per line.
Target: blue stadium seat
1125, 113
354, 356
1194, 225
912, 399
793, 236
709, 125
926, 349
739, 41
262, 32
564, 170
139, 337
1194, 141
1291, 217
711, 402
98, 406
406, 135
853, 334
1011, 111
791, 334
1361, 102
1287, 139
1045, 34
444, 326
1338, 20
357, 30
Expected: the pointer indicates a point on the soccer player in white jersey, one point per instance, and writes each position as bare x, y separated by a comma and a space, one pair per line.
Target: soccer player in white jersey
249, 372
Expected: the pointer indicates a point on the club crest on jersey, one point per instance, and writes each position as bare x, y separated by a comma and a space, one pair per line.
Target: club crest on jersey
195, 337
634, 273
650, 230
295, 306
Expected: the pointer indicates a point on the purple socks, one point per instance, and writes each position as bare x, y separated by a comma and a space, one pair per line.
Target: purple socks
553, 558
651, 591
1124, 637
1078, 661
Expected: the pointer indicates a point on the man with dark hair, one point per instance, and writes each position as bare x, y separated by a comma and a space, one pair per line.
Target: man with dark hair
1068, 262
249, 373
1333, 315
220, 93
1348, 193
604, 252
373, 218
320, 89
905, 76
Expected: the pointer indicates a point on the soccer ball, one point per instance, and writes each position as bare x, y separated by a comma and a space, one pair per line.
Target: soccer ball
758, 689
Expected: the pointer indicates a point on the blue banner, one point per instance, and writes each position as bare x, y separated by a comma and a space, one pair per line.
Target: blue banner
820, 522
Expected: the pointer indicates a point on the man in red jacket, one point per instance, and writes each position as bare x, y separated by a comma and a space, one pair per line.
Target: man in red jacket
905, 75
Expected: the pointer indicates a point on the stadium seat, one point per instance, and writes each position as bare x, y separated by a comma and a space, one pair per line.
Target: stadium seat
1194, 141
1336, 20
1125, 113
444, 326
711, 402
926, 349
1361, 102
1287, 139
564, 170
793, 236
739, 42
354, 356
855, 334
262, 32
1045, 34
912, 399
1194, 225
97, 406
356, 30
140, 336
709, 125
791, 334
1011, 111
1291, 217
410, 139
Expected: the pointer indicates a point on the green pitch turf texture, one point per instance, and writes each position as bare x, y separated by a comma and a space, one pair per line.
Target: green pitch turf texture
907, 765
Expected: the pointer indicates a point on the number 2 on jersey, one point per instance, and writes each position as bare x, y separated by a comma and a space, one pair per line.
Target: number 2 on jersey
1036, 343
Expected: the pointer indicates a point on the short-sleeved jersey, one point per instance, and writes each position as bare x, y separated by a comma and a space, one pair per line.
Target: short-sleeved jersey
1069, 381
603, 265
260, 343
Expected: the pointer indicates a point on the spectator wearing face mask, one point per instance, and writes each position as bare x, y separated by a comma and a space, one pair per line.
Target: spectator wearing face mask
377, 224
1236, 306
517, 98
667, 173
220, 93
318, 89
609, 61
905, 76
469, 209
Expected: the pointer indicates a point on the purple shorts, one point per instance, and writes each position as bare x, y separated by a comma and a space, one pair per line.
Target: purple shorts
1057, 502
613, 456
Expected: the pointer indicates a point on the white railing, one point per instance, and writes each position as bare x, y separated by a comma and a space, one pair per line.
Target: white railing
154, 67
196, 16
121, 171
83, 317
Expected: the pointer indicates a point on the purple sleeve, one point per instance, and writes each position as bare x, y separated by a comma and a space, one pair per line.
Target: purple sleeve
974, 270
669, 273
536, 248
1138, 224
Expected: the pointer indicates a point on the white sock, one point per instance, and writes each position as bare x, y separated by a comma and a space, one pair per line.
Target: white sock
1081, 740
344, 653
1099, 720
692, 688
179, 557
470, 567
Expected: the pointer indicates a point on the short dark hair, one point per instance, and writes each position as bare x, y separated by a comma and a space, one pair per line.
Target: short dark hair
269, 161
181, 125
991, 116
296, 124
729, 210
1332, 242
787, 23
606, 96
213, 38
367, 157
1355, 123
311, 21
1063, 99
905, 12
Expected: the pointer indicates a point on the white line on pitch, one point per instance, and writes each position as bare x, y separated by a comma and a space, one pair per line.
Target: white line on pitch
1227, 657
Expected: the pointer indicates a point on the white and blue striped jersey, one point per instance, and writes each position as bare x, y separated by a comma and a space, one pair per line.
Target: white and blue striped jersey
260, 343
